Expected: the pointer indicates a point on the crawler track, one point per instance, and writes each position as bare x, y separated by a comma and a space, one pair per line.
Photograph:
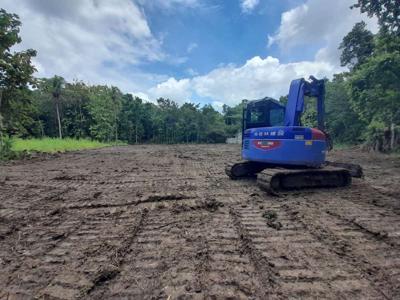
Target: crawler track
165, 222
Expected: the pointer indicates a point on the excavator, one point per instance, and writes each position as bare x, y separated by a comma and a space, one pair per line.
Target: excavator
283, 154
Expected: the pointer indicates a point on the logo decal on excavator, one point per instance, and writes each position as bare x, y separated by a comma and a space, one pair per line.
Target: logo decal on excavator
266, 144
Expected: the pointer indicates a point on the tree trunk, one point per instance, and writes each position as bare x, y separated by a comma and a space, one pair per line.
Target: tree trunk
58, 119
1, 97
392, 135
81, 116
136, 135
116, 127
1, 117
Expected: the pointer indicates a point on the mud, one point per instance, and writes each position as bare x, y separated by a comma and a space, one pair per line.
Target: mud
165, 222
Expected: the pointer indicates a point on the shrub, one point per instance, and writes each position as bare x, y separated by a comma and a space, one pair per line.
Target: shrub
6, 151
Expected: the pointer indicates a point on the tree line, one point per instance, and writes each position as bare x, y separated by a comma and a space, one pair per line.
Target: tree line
362, 104
57, 108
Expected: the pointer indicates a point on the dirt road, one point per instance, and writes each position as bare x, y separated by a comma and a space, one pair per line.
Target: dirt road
164, 222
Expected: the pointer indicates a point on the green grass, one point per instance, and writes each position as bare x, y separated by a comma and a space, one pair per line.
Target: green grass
342, 146
52, 145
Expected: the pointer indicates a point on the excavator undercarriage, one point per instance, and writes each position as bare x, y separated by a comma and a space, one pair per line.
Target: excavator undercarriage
278, 178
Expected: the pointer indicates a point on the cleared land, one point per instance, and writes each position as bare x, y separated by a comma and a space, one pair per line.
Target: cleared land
165, 221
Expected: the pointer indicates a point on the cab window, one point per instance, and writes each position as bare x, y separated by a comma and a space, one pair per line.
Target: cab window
276, 116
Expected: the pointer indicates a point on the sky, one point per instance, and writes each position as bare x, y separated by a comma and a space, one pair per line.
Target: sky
200, 51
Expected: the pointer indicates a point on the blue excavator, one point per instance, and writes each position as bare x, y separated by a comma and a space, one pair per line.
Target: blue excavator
283, 154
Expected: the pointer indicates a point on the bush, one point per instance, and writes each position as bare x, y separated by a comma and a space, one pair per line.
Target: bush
378, 137
6, 145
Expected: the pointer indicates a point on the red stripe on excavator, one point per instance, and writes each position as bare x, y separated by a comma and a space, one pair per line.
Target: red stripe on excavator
266, 144
317, 134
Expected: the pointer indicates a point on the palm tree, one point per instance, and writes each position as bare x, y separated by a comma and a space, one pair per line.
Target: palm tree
57, 84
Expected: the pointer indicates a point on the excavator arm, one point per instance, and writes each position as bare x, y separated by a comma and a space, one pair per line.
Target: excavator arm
295, 106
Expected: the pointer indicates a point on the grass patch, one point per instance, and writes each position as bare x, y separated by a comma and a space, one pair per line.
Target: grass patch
52, 145
342, 146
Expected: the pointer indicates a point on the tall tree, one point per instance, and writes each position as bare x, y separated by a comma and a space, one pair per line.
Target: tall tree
55, 87
16, 68
387, 12
188, 122
342, 122
375, 91
103, 109
131, 119
356, 46
116, 98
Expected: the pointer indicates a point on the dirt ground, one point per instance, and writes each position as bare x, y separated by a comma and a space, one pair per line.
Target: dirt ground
165, 222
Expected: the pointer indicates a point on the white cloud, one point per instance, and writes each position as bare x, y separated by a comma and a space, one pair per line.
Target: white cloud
319, 22
255, 79
93, 40
142, 96
316, 22
248, 5
177, 90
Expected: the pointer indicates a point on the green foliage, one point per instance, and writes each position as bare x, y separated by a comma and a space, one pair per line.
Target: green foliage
375, 89
15, 67
104, 106
309, 117
52, 145
356, 46
387, 12
6, 148
373, 86
132, 117
233, 118
342, 122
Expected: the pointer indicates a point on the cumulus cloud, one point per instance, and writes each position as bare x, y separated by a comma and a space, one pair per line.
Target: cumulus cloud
316, 22
257, 78
93, 40
248, 5
178, 90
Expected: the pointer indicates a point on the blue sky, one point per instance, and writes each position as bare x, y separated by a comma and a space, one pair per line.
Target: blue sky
203, 51
217, 32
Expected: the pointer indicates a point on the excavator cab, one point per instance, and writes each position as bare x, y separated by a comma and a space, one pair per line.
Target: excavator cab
266, 112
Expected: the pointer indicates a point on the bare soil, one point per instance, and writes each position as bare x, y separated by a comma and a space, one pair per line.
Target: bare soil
165, 222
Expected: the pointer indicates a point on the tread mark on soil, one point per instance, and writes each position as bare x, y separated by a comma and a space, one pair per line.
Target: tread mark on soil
149, 199
108, 273
264, 268
338, 246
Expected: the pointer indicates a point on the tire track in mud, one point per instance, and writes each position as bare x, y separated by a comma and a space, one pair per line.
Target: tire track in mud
364, 193
96, 260
231, 271
27, 275
262, 267
356, 246
159, 263
380, 222
301, 264
147, 200
107, 273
